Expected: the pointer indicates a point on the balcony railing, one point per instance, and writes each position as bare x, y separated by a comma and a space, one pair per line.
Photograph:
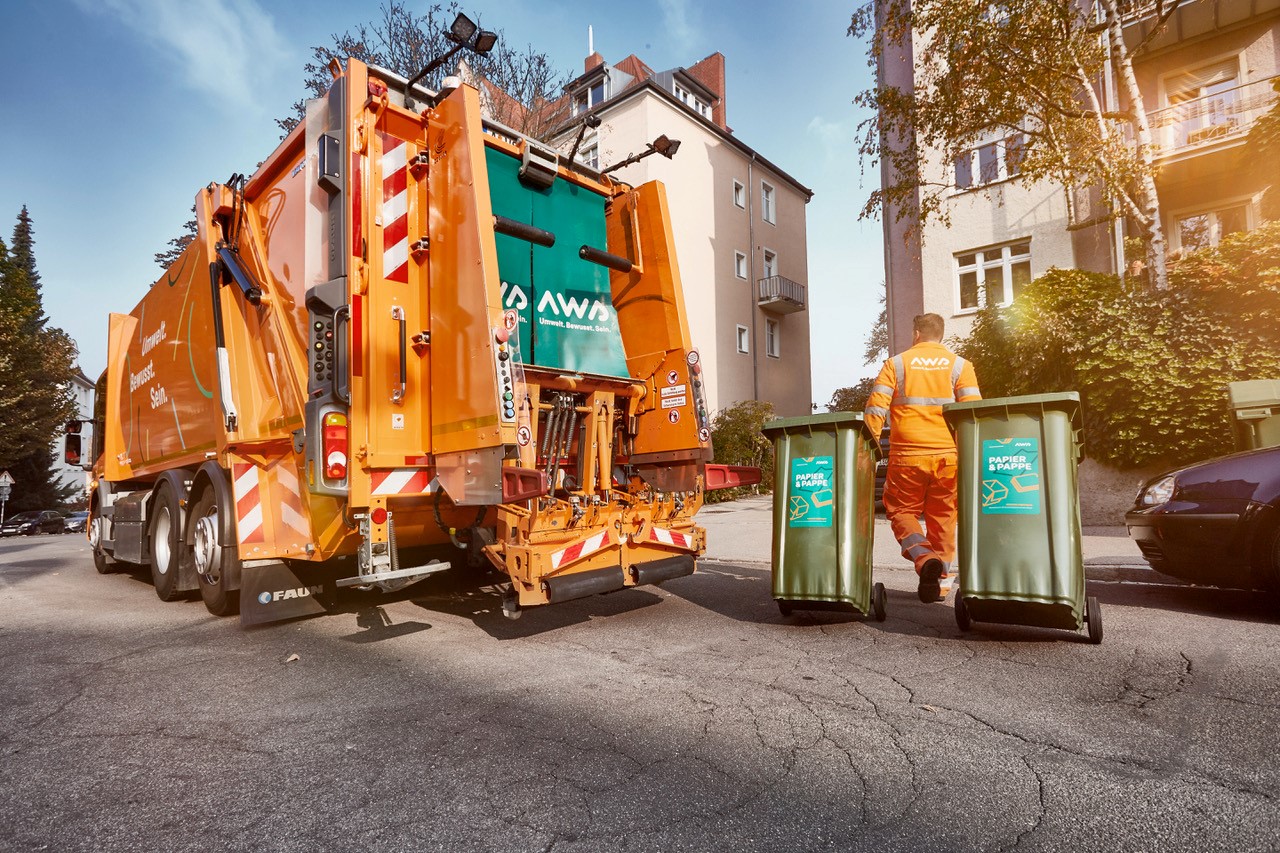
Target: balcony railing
781, 295
1202, 121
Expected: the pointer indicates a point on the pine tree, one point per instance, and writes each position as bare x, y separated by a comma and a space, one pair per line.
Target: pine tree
36, 365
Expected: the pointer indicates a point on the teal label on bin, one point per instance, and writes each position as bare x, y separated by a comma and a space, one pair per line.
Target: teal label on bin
811, 498
1011, 476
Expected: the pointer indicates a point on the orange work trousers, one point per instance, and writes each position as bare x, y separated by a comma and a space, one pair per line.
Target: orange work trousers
923, 486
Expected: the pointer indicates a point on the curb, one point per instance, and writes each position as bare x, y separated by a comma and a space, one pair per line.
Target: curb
1102, 573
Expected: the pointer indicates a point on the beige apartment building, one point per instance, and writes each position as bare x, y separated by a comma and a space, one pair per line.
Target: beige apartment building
738, 220
1205, 79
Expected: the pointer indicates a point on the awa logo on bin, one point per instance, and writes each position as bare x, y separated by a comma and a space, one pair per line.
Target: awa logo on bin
1011, 476
811, 498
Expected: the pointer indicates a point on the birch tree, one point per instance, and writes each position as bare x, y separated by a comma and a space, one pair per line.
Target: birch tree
1034, 68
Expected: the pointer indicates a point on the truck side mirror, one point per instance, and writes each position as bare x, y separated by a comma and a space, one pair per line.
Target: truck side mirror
71, 452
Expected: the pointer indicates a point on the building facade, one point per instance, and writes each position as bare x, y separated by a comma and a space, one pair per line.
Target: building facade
738, 221
74, 475
1205, 77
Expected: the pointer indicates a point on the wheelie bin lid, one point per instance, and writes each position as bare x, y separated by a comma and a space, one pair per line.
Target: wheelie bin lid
829, 421
1253, 393
1029, 404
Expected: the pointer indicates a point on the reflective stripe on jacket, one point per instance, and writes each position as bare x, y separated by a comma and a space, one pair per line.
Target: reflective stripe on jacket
911, 390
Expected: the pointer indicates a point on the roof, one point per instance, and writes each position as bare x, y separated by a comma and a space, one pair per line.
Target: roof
650, 85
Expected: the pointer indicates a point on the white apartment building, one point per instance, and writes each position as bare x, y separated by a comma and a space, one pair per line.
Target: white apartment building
1205, 79
74, 475
738, 221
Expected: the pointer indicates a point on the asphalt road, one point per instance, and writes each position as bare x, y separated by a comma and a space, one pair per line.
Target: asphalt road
692, 717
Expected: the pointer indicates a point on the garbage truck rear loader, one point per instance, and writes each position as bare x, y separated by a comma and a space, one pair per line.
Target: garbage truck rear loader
410, 339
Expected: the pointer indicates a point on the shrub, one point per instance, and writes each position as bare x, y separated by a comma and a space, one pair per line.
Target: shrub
737, 440
1151, 367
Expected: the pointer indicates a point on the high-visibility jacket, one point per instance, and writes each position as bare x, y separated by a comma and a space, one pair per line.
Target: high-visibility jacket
911, 390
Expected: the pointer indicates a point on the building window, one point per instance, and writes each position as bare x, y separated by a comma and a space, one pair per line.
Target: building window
590, 154
744, 339
766, 203
740, 265
773, 338
1201, 230
993, 276
739, 194
1204, 104
589, 98
770, 264
994, 161
692, 101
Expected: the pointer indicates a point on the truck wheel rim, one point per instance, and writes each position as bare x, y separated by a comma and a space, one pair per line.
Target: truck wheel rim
206, 545
95, 532
161, 541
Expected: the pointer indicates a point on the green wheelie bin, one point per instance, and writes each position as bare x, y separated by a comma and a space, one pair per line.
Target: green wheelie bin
1019, 554
824, 514
1255, 410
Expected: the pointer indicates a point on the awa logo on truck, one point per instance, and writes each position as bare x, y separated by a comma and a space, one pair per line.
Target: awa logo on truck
557, 304
513, 296
287, 594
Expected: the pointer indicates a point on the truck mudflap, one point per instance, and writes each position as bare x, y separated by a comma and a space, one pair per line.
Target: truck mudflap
271, 591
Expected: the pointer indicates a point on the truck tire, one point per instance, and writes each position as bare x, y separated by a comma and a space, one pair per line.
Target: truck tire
213, 560
166, 544
101, 561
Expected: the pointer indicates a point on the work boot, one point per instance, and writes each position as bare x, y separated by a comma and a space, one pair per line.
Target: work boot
930, 589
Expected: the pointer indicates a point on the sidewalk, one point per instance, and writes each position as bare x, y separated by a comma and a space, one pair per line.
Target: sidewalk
742, 532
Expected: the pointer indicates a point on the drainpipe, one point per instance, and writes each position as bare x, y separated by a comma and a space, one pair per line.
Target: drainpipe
751, 277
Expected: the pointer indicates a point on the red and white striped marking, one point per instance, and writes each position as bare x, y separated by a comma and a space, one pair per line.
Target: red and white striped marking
402, 481
578, 550
291, 500
395, 210
246, 485
674, 538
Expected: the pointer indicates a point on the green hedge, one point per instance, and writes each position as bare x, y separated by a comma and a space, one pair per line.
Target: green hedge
1151, 367
737, 440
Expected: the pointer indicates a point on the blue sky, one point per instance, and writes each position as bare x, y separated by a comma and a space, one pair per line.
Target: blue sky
117, 111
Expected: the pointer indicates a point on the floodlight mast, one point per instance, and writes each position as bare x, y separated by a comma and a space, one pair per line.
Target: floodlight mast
464, 33
591, 121
662, 145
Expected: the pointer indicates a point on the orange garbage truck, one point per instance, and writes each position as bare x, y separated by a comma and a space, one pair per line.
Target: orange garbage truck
412, 339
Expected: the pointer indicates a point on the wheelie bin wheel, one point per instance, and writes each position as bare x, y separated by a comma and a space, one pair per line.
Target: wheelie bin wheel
1093, 616
877, 601
784, 608
962, 614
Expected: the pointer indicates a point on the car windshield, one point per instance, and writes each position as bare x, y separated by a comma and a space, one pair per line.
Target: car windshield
25, 516
78, 515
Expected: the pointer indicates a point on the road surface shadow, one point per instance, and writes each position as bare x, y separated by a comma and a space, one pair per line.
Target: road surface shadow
1238, 604
479, 599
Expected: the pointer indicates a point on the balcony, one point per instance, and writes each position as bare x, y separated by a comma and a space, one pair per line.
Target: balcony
781, 295
1203, 122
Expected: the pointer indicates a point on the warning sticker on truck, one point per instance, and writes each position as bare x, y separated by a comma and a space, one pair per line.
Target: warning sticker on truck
811, 497
1011, 476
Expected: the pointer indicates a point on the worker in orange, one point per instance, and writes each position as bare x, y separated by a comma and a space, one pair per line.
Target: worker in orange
921, 480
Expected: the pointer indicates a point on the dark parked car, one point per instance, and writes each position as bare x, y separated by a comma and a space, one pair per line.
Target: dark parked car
1216, 522
31, 523
76, 521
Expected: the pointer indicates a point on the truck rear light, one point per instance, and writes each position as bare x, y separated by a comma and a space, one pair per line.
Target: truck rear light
379, 515
333, 432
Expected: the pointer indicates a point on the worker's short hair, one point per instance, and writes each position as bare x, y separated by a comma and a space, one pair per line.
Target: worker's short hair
930, 326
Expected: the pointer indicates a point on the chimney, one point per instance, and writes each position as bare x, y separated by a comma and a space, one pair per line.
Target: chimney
710, 73
595, 60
